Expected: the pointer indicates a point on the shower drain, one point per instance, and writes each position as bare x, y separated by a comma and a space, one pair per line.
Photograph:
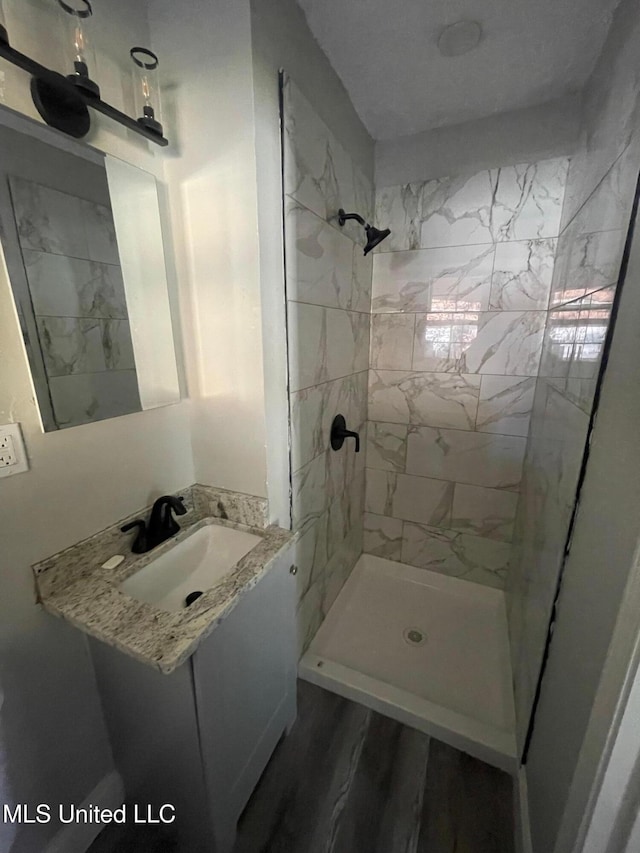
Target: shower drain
414, 637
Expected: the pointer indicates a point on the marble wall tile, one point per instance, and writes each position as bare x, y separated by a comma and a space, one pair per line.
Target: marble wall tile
309, 493
574, 336
475, 458
484, 512
554, 456
392, 338
69, 287
522, 275
448, 279
361, 280
364, 194
310, 614
387, 446
78, 345
318, 172
71, 345
603, 180
87, 397
319, 259
457, 555
312, 411
383, 536
505, 405
48, 220
521, 202
431, 399
442, 339
399, 209
325, 344
528, 200
586, 263
340, 565
311, 555
345, 512
117, 345
508, 343
591, 245
100, 229
329, 302
410, 498
457, 211
493, 342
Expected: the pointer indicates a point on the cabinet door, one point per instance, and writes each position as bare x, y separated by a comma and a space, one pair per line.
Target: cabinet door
245, 680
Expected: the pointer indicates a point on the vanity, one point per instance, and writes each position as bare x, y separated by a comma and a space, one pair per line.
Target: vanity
196, 696
192, 634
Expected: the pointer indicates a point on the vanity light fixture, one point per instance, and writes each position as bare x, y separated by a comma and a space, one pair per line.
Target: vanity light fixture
3, 26
64, 102
146, 89
77, 15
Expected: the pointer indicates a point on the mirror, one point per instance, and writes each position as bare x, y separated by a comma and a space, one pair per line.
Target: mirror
82, 241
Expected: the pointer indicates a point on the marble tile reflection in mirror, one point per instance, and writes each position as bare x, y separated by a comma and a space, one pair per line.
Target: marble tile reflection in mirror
83, 246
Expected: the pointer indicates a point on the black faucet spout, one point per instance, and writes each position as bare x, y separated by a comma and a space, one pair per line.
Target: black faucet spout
162, 525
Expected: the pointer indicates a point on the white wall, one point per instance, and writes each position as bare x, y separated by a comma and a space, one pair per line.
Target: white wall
211, 175
521, 136
53, 745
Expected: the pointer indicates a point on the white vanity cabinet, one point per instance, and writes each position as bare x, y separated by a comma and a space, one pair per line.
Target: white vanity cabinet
201, 737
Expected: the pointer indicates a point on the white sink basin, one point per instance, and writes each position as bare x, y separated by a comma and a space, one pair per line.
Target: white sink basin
195, 564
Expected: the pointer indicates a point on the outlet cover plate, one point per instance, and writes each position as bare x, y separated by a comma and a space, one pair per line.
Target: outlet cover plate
13, 456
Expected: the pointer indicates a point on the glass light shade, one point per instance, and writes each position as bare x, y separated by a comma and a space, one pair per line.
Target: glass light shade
146, 87
78, 49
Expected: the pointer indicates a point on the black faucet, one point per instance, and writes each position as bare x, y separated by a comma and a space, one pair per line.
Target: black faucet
162, 525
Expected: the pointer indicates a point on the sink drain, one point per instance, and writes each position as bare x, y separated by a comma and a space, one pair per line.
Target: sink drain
414, 637
193, 596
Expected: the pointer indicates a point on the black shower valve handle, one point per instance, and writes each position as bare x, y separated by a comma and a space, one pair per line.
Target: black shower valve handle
339, 432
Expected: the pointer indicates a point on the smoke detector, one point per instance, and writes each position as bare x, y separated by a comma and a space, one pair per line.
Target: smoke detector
460, 38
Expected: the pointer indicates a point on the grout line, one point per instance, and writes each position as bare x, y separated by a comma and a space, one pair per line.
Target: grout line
329, 222
108, 370
508, 542
327, 381
453, 373
592, 193
328, 307
70, 257
413, 340
502, 490
449, 429
83, 317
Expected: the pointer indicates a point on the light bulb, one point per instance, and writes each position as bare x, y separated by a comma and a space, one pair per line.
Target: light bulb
77, 17
146, 89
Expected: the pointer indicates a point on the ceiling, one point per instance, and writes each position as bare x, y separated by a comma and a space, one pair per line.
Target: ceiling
386, 54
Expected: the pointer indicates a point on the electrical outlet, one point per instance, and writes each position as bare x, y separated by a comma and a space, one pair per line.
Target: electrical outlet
13, 457
7, 452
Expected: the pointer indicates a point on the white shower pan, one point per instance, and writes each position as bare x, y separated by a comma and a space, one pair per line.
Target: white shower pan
427, 650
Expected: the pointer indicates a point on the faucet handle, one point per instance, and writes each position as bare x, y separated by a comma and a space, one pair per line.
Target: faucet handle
339, 432
140, 542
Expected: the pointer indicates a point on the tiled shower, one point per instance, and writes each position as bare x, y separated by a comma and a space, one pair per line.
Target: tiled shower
459, 301
328, 303
466, 354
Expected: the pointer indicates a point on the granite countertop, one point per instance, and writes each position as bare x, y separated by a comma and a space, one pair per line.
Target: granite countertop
75, 586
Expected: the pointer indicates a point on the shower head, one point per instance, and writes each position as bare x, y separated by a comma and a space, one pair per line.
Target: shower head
374, 235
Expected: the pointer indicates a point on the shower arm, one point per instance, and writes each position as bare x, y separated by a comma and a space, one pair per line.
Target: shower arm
342, 218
